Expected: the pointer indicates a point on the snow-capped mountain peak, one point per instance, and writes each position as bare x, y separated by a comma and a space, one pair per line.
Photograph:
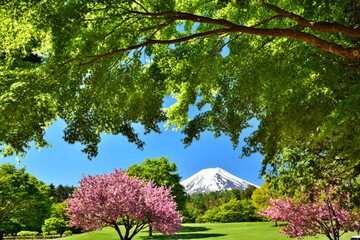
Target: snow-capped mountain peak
213, 179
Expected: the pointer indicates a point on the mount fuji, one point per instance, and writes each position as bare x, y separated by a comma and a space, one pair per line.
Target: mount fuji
213, 179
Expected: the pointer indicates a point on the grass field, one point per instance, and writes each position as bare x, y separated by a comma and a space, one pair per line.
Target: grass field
198, 231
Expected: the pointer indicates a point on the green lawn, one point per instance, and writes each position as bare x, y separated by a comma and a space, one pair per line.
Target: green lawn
219, 231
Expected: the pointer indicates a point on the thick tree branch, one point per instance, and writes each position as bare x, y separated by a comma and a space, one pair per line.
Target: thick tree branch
172, 16
306, 37
318, 26
189, 17
152, 42
232, 27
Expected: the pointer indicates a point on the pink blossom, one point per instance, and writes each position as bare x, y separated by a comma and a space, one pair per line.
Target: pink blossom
318, 212
115, 198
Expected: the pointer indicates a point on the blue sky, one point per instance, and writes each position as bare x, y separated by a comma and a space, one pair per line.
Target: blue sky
65, 163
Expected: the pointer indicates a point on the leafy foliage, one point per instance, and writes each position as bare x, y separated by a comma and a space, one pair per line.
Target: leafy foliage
116, 198
24, 200
261, 196
12, 228
28, 233
58, 221
232, 211
56, 225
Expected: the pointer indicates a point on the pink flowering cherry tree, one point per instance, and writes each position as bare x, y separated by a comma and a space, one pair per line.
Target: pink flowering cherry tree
318, 212
116, 199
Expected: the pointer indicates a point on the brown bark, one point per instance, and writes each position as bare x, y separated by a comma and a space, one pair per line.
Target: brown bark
319, 26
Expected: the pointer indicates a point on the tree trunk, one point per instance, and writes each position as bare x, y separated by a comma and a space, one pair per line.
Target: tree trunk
150, 231
117, 230
1, 235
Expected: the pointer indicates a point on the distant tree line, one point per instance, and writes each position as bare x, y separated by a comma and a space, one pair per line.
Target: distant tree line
60, 193
222, 206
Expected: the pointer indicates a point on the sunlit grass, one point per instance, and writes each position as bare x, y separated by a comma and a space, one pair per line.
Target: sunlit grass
220, 231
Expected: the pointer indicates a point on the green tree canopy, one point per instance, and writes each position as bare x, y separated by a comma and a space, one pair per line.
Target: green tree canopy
163, 173
261, 196
58, 220
24, 199
54, 224
232, 211
104, 65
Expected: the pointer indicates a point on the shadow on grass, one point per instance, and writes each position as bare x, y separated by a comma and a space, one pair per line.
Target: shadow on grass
188, 233
186, 236
194, 229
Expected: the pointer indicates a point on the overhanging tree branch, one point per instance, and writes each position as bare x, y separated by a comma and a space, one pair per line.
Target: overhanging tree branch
171, 17
318, 26
306, 37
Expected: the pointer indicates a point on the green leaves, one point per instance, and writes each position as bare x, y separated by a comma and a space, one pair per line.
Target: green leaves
23, 198
232, 211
